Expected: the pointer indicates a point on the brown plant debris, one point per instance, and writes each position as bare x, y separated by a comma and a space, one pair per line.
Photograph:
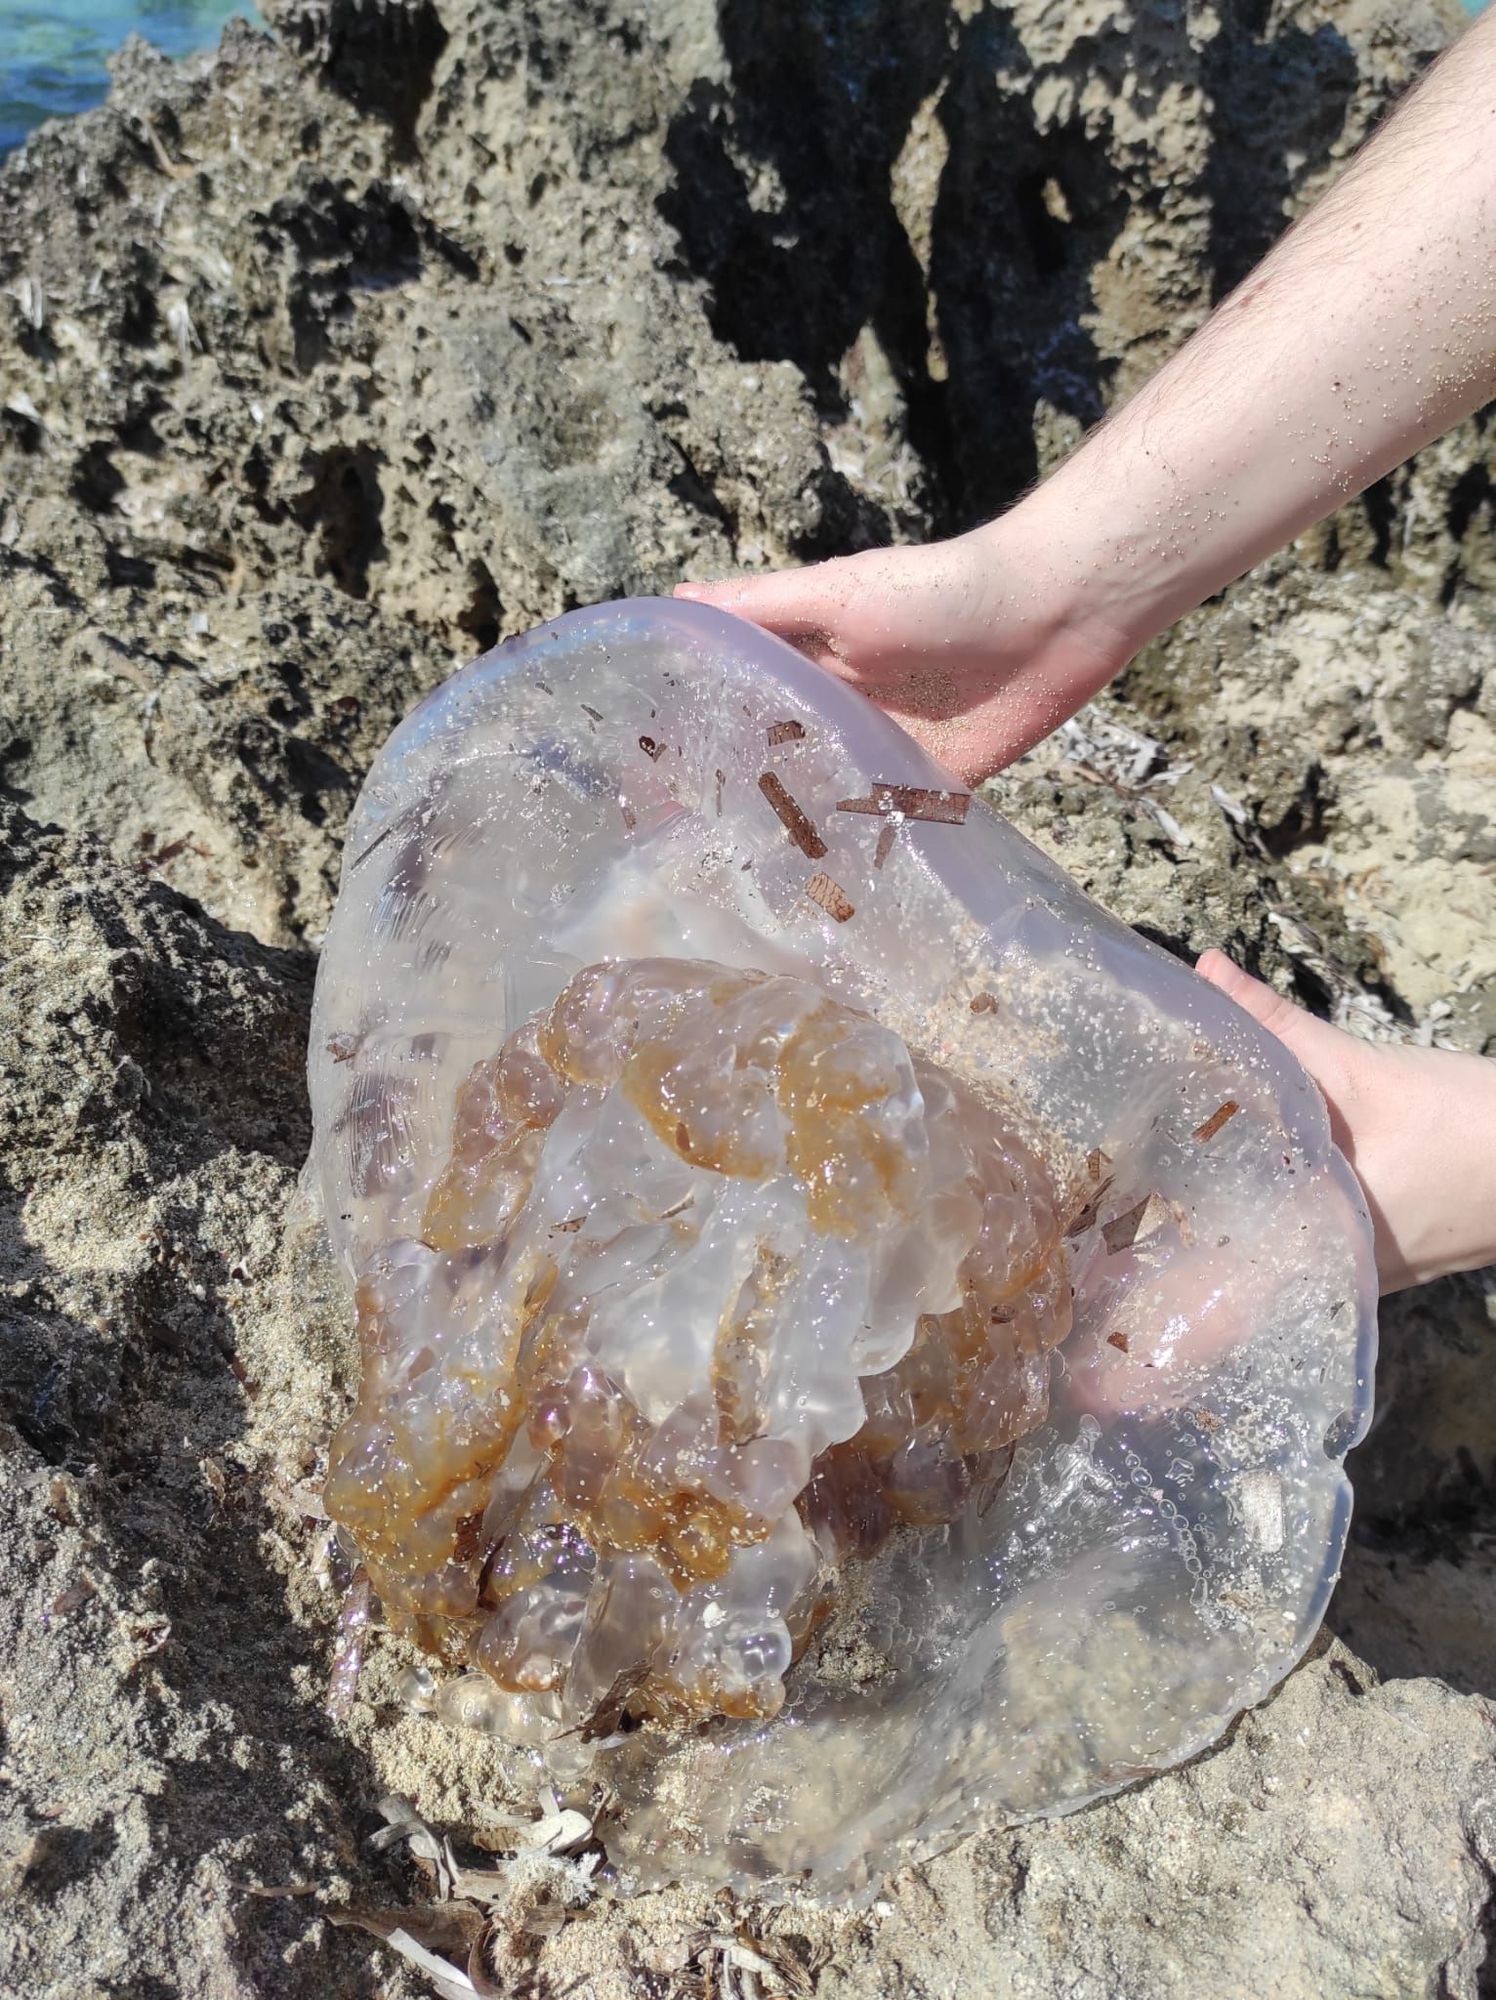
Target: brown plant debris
911, 802
737, 1965
794, 820
784, 732
1086, 1215
468, 1539
610, 1711
1222, 1115
1136, 1224
832, 898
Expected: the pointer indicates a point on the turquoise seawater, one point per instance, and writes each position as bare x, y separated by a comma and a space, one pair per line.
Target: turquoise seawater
52, 56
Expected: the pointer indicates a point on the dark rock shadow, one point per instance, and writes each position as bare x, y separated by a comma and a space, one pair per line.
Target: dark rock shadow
1271, 94
343, 508
1417, 1592
1021, 219
783, 204
382, 58
781, 197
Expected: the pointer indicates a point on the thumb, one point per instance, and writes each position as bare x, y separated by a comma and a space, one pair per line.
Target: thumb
1318, 1045
771, 597
803, 606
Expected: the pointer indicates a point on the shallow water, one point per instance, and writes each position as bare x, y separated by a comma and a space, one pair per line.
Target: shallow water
53, 52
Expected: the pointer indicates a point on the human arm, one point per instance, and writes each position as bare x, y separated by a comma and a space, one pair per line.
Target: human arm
1367, 331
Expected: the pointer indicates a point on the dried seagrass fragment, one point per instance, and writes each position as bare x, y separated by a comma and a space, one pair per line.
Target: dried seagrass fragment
833, 1312
796, 824
912, 802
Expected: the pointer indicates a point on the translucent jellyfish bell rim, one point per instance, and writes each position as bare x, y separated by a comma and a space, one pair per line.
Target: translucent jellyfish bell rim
1101, 1034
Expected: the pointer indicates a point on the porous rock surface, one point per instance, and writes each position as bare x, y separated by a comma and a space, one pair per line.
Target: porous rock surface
328, 359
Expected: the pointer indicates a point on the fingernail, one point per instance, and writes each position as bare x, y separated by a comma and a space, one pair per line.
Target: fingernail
696, 590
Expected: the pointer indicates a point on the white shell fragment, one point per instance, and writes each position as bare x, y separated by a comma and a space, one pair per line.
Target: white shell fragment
856, 1343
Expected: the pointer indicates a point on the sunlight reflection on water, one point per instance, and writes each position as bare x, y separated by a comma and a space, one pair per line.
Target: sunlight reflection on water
52, 56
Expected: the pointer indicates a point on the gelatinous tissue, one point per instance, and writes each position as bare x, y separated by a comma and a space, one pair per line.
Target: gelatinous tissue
856, 1343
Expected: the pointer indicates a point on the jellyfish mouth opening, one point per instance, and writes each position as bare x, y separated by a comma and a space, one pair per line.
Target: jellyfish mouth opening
719, 1287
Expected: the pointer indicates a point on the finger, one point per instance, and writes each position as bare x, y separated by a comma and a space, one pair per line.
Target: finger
1336, 1061
804, 607
1317, 1045
767, 599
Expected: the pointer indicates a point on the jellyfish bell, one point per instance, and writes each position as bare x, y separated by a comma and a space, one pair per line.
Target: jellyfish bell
856, 1344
